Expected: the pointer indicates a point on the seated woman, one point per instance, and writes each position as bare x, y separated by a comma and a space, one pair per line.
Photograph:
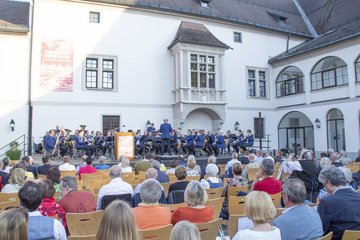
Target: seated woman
49, 207
196, 212
181, 184
192, 168
13, 224
173, 165
212, 181
16, 181
185, 230
125, 165
264, 180
118, 222
260, 209
237, 180
149, 214
54, 176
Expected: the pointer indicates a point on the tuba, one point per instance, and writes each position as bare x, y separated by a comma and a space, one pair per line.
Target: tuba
67, 132
82, 127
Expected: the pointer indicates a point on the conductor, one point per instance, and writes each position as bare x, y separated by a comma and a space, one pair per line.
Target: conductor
165, 130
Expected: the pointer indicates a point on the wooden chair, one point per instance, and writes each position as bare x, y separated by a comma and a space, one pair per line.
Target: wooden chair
90, 177
173, 207
128, 175
166, 188
222, 168
190, 178
87, 237
4, 205
252, 174
233, 190
276, 199
80, 184
133, 181
217, 204
236, 205
41, 176
209, 230
214, 192
172, 178
161, 233
68, 173
95, 185
351, 235
6, 197
225, 181
327, 236
141, 176
233, 224
81, 224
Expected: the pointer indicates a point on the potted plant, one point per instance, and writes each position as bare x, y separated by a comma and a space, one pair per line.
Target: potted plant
14, 153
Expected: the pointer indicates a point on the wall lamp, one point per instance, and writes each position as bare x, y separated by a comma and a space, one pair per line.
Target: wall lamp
237, 125
12, 125
317, 123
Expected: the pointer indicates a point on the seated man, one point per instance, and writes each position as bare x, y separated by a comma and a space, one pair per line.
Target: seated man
88, 168
115, 187
30, 167
162, 177
74, 201
39, 227
50, 142
298, 221
144, 164
66, 166
234, 159
102, 163
338, 211
149, 214
267, 183
46, 165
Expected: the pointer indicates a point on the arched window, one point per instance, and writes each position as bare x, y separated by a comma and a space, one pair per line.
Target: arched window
329, 72
290, 81
357, 69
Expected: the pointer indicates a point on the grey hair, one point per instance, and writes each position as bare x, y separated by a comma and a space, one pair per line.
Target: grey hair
102, 159
212, 159
69, 182
347, 173
267, 166
212, 170
332, 175
151, 173
195, 194
234, 155
150, 191
185, 230
295, 190
251, 156
155, 164
307, 155
342, 153
324, 162
330, 151
191, 157
115, 171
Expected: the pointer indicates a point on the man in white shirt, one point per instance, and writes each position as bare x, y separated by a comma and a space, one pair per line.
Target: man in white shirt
66, 166
39, 226
234, 159
259, 156
116, 186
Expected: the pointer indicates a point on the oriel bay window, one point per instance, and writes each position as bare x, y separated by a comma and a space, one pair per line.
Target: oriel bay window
202, 71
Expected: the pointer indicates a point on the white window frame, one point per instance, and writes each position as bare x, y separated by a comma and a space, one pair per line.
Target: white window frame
94, 17
238, 37
100, 70
207, 73
257, 82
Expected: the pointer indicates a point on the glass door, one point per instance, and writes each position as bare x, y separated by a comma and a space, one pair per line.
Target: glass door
295, 139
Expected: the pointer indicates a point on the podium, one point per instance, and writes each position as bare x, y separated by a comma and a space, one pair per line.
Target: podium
125, 145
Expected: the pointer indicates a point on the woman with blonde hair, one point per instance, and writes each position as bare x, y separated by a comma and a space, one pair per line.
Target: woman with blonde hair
196, 197
118, 223
125, 165
185, 230
13, 224
16, 181
261, 210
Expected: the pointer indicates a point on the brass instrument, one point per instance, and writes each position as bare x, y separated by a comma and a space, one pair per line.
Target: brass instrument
82, 127
67, 132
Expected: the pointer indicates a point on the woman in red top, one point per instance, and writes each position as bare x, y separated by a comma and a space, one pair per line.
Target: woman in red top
267, 183
48, 206
196, 212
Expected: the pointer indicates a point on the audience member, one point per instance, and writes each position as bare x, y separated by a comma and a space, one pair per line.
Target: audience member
267, 183
259, 156
234, 159
196, 212
13, 224
54, 175
173, 164
39, 227
149, 214
48, 206
279, 157
335, 159
102, 163
180, 173
6, 167
343, 158
74, 201
46, 165
161, 176
16, 181
324, 162
211, 159
252, 164
118, 223
125, 165
144, 164
337, 211
260, 209
298, 221
237, 180
185, 230
66, 166
4, 175
23, 164
116, 186
29, 165
268, 154
212, 181
88, 168
192, 168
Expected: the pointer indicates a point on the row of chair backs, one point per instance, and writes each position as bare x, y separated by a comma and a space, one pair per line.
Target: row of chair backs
9, 200
236, 204
214, 192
